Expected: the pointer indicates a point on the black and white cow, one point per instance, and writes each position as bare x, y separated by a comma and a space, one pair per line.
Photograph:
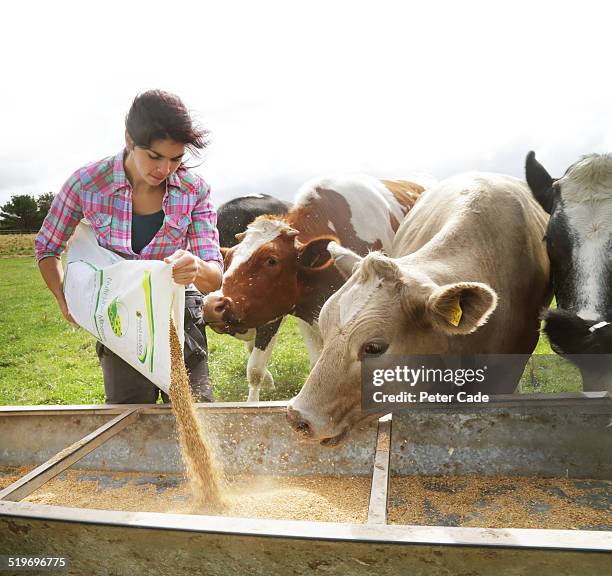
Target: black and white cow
233, 217
579, 243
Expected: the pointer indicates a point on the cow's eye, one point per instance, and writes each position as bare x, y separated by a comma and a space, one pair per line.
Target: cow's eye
376, 348
271, 261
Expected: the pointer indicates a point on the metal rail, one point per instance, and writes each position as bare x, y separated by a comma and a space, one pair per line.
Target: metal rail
276, 406
377, 510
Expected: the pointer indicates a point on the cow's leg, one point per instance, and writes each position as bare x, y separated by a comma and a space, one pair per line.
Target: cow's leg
260, 349
312, 338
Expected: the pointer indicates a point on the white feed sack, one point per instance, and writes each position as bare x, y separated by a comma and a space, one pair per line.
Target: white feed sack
125, 304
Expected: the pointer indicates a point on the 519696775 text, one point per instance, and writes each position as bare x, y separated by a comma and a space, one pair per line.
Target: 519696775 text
23, 562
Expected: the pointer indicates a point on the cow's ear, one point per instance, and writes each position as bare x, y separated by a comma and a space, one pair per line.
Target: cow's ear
540, 182
314, 254
461, 308
240, 236
344, 259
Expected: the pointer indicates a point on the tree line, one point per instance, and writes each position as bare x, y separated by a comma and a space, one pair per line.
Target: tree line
24, 212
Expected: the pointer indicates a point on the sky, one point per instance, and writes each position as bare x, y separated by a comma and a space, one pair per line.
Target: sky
293, 90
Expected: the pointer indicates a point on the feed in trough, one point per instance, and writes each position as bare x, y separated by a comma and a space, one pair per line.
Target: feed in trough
314, 498
501, 502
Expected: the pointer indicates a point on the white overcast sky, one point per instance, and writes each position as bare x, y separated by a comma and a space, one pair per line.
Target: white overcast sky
291, 90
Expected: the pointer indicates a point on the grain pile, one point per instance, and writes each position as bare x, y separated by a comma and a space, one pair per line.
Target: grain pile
10, 474
314, 498
501, 502
204, 474
488, 502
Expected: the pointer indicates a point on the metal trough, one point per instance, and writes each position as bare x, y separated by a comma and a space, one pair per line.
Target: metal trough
565, 435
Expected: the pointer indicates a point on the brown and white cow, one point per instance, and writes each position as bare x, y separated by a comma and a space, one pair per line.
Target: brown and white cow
473, 240
233, 217
282, 266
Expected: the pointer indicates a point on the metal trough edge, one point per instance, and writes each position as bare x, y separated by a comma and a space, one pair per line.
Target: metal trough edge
588, 402
596, 402
518, 538
273, 406
377, 510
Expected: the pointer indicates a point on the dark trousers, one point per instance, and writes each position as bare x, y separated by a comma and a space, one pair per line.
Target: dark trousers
125, 385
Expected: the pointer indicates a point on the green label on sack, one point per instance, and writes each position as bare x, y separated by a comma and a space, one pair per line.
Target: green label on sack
146, 286
114, 317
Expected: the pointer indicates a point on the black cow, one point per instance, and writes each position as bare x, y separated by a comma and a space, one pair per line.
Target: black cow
579, 243
235, 215
232, 218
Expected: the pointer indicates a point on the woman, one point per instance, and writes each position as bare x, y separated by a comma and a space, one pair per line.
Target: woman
144, 204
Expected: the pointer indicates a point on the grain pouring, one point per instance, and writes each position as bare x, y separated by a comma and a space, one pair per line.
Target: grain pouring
204, 473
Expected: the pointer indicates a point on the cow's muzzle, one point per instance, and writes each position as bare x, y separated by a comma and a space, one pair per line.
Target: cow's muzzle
218, 313
299, 424
215, 304
306, 432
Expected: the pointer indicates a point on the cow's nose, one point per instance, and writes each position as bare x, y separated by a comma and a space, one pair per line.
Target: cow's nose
299, 423
222, 305
214, 307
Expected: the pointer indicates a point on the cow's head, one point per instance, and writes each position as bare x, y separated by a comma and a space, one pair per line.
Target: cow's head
385, 308
579, 245
579, 232
263, 271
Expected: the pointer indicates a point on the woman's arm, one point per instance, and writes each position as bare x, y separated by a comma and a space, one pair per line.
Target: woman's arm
209, 277
64, 214
53, 275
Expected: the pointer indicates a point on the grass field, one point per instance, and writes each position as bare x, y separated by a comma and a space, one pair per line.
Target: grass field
44, 360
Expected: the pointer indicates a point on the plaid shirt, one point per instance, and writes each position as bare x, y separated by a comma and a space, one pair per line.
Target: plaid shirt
102, 193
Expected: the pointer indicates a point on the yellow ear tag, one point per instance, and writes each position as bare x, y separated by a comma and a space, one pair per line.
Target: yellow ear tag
456, 313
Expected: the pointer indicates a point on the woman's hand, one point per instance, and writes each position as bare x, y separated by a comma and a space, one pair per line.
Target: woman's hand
61, 302
53, 275
189, 269
185, 267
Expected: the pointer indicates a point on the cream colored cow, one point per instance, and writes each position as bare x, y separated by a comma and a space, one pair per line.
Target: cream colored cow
474, 240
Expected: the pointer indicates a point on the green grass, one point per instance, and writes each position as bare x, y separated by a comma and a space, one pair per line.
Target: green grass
546, 372
550, 373
44, 360
228, 358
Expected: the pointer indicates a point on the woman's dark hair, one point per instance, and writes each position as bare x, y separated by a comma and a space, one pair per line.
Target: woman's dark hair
158, 115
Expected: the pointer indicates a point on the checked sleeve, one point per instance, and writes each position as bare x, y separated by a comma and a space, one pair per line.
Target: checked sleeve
63, 216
